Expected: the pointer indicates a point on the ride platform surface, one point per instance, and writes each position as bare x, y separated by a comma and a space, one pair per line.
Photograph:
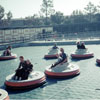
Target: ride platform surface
85, 86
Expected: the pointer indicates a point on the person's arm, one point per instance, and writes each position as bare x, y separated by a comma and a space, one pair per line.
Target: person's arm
5, 53
77, 46
31, 68
84, 47
64, 61
19, 65
10, 52
60, 54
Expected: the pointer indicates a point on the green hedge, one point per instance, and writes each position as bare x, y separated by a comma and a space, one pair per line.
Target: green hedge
82, 27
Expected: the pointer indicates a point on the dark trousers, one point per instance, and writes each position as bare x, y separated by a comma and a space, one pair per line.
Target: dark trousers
58, 62
22, 73
19, 73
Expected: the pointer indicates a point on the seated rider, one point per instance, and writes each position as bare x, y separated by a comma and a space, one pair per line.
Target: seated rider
24, 69
28, 70
55, 46
7, 52
62, 60
78, 45
9, 47
21, 69
83, 46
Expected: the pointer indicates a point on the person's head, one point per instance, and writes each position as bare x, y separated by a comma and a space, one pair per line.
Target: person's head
82, 43
77, 43
62, 50
21, 58
9, 47
28, 62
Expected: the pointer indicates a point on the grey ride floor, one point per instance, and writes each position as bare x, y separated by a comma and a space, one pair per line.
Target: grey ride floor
84, 86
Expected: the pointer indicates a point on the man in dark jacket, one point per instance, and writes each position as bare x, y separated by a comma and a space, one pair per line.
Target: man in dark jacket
21, 69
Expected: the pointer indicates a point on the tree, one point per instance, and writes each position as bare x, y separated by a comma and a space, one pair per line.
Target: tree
57, 18
1, 12
9, 16
90, 10
77, 16
77, 12
98, 14
97, 17
33, 20
47, 8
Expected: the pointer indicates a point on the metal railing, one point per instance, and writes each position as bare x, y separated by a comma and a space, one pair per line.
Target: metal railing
19, 38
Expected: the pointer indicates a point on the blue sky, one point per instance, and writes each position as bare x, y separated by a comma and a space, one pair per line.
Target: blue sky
22, 8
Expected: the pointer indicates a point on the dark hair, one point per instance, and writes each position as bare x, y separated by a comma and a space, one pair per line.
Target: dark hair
9, 47
21, 57
62, 49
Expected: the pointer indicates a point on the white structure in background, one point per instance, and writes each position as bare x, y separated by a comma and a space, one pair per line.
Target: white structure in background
22, 33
